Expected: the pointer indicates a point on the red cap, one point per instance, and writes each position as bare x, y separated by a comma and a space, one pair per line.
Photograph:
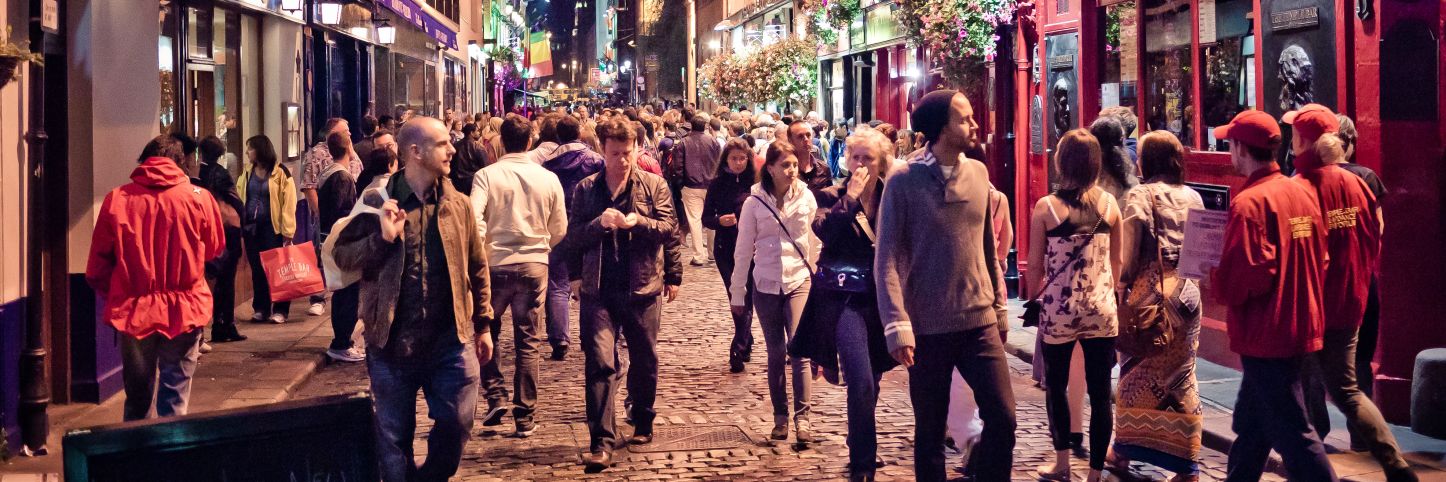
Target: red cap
1312, 120
1252, 128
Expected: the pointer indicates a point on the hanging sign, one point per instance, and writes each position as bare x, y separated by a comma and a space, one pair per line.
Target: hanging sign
50, 16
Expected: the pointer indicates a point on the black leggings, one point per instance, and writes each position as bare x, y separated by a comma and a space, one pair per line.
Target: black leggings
1099, 360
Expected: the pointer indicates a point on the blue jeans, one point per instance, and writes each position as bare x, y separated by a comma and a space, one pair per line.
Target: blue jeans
863, 390
160, 368
448, 377
1271, 415
559, 295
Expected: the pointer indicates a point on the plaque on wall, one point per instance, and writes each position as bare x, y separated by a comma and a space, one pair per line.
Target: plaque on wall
1299, 54
1061, 88
1036, 125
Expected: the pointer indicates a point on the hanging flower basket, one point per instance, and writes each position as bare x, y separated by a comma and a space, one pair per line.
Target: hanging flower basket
11, 55
784, 71
961, 35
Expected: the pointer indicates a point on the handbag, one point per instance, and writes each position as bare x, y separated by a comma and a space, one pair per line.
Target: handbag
847, 275
1147, 315
1033, 308
292, 272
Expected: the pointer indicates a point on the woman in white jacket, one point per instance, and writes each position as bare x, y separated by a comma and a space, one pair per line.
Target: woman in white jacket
776, 237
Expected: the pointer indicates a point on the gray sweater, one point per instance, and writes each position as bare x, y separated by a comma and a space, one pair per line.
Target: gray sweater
935, 268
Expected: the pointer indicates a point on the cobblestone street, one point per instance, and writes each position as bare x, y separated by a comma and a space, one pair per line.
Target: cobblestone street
696, 390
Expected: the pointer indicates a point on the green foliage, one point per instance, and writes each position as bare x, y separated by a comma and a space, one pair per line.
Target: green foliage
784, 71
961, 34
19, 50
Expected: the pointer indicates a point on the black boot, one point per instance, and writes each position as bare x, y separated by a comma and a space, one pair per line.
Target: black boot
225, 333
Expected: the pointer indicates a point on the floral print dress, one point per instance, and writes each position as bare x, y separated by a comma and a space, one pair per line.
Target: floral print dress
1080, 302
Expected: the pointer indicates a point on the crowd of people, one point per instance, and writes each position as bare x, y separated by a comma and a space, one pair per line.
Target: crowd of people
860, 248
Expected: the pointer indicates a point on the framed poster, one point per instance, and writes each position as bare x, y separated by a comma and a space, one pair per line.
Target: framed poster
291, 140
1298, 38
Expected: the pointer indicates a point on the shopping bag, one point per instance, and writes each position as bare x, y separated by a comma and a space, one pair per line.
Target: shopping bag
292, 272
337, 278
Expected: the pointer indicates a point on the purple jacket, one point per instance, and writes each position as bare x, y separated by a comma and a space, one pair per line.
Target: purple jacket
572, 162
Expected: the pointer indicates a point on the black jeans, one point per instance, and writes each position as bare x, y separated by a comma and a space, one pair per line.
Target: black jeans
344, 304
601, 321
978, 354
262, 240
1332, 371
742, 325
1099, 359
224, 292
1270, 414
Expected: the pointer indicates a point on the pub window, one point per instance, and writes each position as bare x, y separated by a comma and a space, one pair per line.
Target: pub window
1119, 75
1227, 76
1168, 68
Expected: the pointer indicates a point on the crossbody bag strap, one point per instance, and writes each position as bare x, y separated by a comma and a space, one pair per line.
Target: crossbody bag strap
1159, 246
864, 225
1072, 257
801, 253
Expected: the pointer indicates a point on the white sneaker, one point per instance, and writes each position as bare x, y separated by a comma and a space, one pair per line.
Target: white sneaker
350, 355
205, 347
257, 317
278, 319
316, 309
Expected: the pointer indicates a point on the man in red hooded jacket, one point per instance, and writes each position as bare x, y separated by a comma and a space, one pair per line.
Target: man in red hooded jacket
1353, 238
1270, 276
147, 259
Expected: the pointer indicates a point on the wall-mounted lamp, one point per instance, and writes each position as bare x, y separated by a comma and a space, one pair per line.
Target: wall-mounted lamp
330, 13
386, 33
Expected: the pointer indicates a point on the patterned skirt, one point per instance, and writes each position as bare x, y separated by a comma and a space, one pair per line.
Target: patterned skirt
1158, 404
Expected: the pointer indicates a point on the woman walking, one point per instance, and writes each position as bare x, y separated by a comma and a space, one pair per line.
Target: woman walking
721, 206
269, 193
1159, 418
841, 330
1072, 233
774, 235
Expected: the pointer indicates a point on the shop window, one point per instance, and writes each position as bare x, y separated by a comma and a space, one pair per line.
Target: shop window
1119, 76
1227, 74
166, 48
1170, 99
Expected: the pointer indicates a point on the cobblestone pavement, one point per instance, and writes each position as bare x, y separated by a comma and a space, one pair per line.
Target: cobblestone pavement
696, 389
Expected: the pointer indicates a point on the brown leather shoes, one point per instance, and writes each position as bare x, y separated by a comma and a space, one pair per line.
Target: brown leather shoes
597, 461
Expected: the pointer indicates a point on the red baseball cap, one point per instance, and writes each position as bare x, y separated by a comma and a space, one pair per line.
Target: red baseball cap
1252, 128
1312, 120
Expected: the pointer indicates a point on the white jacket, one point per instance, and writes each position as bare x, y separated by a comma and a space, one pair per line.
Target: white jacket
519, 209
778, 267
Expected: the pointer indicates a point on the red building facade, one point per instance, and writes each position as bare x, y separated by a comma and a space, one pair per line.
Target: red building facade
1188, 65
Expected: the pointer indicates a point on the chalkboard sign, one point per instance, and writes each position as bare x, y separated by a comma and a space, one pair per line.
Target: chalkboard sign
324, 439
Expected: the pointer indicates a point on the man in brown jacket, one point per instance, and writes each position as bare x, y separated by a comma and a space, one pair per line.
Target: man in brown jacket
425, 301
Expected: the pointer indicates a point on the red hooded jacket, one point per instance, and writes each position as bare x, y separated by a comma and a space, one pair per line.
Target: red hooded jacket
1353, 238
1272, 268
148, 252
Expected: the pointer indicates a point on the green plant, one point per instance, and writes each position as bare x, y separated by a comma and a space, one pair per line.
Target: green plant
20, 51
783, 71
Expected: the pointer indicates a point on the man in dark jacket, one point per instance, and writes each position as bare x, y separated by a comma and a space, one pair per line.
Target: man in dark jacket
812, 169
469, 159
700, 164
572, 161
620, 225
214, 178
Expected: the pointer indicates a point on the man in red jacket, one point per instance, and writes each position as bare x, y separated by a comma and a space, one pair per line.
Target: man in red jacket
148, 260
1270, 277
1353, 238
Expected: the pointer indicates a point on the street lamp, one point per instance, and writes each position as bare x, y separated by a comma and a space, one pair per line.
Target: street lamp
291, 5
386, 33
330, 13
715, 45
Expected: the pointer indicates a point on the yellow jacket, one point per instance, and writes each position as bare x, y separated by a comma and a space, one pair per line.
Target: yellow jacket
282, 190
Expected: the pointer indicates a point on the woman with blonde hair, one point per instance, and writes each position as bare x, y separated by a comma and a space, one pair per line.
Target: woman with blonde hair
841, 329
1073, 234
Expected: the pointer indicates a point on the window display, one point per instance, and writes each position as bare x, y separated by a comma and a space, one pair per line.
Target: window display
1168, 67
1119, 75
1227, 73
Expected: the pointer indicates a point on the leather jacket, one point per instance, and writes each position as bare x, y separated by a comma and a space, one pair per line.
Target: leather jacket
654, 252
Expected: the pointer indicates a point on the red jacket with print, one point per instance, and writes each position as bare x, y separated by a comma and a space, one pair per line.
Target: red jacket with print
148, 252
1272, 268
1353, 238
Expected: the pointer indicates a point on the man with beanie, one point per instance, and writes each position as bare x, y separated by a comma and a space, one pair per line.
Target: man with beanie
1270, 277
936, 273
1353, 243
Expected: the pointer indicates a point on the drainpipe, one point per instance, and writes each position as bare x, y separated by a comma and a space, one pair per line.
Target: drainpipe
34, 384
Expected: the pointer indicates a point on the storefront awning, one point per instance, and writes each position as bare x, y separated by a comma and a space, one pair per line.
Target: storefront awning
423, 20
